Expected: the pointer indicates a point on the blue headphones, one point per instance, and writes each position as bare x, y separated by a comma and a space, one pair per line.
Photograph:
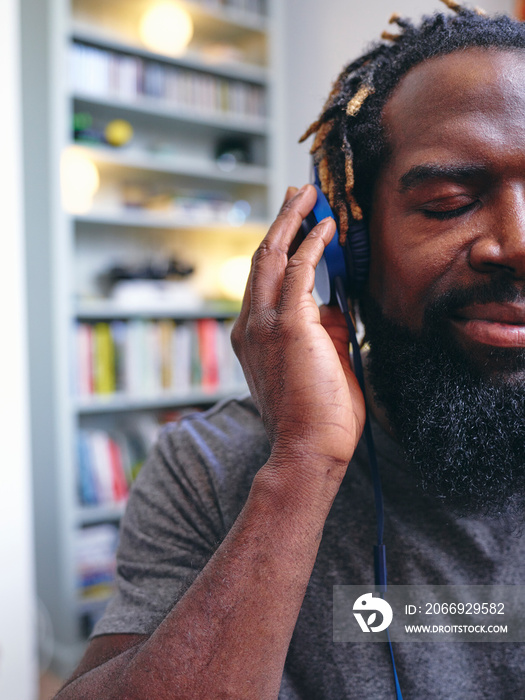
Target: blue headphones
349, 263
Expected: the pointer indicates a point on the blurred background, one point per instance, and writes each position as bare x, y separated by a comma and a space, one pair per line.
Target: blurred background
146, 147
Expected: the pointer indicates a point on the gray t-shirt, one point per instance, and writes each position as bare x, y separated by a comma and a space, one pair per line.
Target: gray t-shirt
190, 492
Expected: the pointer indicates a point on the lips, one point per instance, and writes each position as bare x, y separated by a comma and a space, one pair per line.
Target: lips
498, 325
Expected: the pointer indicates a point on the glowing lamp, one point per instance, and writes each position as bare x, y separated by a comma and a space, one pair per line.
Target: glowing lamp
166, 28
79, 181
233, 276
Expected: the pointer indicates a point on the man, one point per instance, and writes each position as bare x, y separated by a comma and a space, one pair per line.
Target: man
426, 138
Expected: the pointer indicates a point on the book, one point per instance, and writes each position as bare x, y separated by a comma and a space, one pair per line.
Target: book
104, 359
119, 331
166, 332
86, 482
84, 350
118, 475
207, 329
101, 466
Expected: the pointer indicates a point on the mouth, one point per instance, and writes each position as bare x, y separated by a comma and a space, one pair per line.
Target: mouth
493, 324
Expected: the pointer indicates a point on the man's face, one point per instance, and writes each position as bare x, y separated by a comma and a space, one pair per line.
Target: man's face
445, 305
449, 206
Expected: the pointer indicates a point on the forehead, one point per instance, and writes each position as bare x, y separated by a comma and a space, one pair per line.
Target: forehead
468, 104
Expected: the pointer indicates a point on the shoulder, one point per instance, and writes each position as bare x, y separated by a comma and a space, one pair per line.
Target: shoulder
206, 460
227, 439
234, 422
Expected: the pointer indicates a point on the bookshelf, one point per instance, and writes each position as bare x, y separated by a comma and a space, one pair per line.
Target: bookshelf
173, 191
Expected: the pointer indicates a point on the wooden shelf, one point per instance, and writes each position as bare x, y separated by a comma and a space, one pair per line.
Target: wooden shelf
106, 310
117, 403
189, 167
225, 23
89, 515
238, 19
159, 109
147, 220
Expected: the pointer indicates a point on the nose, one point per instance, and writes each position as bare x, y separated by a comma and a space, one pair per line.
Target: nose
501, 247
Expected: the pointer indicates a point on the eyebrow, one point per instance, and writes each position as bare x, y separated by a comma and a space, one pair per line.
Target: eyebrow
420, 174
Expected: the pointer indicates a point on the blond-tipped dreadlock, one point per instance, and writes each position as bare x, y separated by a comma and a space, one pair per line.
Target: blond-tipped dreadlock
452, 5
354, 105
349, 144
388, 36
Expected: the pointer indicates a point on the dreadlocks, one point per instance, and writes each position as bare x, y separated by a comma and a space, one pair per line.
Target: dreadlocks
349, 144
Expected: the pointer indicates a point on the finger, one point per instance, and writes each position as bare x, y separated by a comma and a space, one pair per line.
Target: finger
291, 192
300, 271
271, 258
334, 323
296, 207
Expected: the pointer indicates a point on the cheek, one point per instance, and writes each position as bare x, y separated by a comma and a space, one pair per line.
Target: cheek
405, 276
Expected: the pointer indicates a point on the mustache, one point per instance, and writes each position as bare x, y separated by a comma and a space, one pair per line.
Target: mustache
497, 291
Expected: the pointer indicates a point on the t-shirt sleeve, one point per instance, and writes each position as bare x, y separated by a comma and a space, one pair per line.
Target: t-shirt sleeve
184, 501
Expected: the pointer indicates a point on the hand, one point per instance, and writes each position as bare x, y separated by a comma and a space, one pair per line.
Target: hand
295, 356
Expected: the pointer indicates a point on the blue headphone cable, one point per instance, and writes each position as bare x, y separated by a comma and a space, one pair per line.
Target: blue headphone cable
379, 548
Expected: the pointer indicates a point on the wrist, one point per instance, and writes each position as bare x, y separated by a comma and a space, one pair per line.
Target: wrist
300, 480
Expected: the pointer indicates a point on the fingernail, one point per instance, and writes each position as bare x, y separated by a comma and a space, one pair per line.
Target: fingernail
303, 189
329, 224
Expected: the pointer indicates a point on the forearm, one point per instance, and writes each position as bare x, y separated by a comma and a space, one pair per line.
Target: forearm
229, 635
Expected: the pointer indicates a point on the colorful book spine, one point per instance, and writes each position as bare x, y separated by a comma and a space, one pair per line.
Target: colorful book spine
86, 479
84, 350
101, 467
95, 549
207, 330
104, 359
166, 332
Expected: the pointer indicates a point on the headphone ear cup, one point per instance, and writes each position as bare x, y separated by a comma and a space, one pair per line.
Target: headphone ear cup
357, 256
350, 263
332, 264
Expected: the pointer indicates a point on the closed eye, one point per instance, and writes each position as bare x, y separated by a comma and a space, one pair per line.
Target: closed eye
448, 213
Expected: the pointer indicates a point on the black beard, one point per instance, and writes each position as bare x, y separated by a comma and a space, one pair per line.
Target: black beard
462, 426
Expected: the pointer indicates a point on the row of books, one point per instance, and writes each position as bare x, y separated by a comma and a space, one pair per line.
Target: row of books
108, 461
95, 549
143, 357
257, 7
104, 73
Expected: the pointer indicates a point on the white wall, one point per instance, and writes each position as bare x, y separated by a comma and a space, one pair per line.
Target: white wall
323, 35
17, 630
